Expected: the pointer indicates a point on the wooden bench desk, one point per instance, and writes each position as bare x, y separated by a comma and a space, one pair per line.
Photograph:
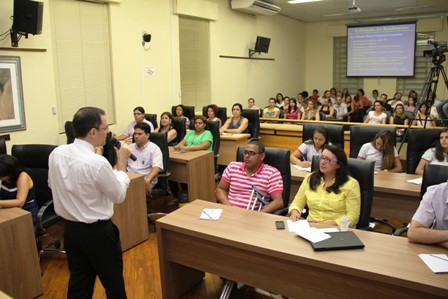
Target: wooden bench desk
244, 246
228, 147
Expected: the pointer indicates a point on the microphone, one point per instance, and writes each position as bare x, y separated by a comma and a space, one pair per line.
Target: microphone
117, 144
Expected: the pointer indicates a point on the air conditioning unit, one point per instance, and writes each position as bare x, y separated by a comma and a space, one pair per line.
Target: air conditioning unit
255, 7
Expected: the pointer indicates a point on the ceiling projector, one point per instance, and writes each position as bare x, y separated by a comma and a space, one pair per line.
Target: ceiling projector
353, 9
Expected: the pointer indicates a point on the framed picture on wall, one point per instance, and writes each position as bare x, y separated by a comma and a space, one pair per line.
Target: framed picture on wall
12, 113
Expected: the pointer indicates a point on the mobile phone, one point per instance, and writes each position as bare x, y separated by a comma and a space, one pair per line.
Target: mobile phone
280, 224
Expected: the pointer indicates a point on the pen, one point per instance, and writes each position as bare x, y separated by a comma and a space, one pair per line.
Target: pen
440, 258
207, 214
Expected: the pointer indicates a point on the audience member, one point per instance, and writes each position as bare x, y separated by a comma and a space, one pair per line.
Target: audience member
374, 97
377, 116
180, 110
212, 113
396, 100
237, 124
364, 100
285, 104
149, 160
139, 117
429, 225
303, 155
350, 107
251, 105
410, 106
197, 139
329, 192
278, 100
422, 118
16, 187
271, 111
310, 112
358, 113
236, 183
345, 93
315, 96
382, 151
165, 126
386, 106
293, 112
399, 117
436, 155
326, 109
442, 110
326, 95
340, 109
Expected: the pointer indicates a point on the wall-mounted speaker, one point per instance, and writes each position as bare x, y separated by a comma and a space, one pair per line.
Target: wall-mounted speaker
28, 17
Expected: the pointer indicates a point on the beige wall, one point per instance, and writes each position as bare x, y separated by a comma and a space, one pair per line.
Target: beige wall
302, 53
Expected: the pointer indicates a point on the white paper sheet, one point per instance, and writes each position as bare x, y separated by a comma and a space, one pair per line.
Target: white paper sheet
303, 229
417, 181
438, 263
303, 168
210, 214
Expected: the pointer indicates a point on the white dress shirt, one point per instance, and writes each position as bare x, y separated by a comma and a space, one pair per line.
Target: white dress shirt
148, 157
83, 184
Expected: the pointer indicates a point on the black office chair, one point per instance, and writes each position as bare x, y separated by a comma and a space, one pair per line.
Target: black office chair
34, 159
363, 134
419, 140
3, 150
222, 113
335, 132
213, 127
69, 132
179, 126
162, 186
254, 123
278, 158
152, 118
432, 175
363, 172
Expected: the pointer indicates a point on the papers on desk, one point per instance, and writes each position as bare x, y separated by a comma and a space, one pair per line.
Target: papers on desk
303, 168
438, 263
210, 214
303, 229
417, 181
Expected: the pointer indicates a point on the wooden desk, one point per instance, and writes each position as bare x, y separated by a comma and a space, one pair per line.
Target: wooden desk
244, 246
393, 198
131, 216
229, 145
197, 170
19, 263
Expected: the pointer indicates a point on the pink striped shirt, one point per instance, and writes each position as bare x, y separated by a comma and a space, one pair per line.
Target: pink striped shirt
267, 179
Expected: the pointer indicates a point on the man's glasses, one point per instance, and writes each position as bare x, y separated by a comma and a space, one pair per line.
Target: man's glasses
327, 160
250, 153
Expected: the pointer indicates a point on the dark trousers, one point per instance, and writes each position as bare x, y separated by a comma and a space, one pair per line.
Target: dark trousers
94, 249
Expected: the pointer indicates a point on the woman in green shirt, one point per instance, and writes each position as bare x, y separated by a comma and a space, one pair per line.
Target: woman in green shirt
197, 139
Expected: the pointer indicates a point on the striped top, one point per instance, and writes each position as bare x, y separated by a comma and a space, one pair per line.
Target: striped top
267, 179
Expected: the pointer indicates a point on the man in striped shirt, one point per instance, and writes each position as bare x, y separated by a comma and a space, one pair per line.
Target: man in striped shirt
236, 183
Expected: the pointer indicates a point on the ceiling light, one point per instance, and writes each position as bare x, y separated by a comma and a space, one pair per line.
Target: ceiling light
301, 1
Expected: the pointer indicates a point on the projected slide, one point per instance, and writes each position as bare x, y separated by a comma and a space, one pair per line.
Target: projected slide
381, 50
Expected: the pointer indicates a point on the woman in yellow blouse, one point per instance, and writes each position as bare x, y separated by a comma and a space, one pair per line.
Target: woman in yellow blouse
329, 192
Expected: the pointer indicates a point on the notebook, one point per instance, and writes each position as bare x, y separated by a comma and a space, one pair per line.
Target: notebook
338, 241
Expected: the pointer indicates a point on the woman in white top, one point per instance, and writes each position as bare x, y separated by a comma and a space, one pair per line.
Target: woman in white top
437, 155
382, 151
423, 118
377, 116
310, 148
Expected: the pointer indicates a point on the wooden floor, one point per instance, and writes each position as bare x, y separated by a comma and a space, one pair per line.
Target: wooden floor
141, 273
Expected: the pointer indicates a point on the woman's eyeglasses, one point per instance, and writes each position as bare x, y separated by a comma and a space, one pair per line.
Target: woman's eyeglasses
327, 160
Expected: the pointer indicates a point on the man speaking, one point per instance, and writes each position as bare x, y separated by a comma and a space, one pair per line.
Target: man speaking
85, 188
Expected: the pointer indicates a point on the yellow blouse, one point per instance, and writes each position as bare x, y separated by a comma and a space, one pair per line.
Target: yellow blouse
324, 206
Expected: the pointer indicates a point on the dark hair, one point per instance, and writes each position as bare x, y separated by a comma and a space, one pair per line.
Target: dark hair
383, 94
304, 94
403, 116
341, 173
361, 91
379, 102
143, 126
276, 98
439, 149
289, 107
170, 117
261, 148
239, 105
201, 117
251, 99
214, 108
388, 144
85, 119
140, 108
321, 130
181, 106
423, 104
9, 167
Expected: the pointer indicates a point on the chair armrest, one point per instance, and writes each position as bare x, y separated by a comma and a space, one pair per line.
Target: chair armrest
282, 212
401, 231
41, 212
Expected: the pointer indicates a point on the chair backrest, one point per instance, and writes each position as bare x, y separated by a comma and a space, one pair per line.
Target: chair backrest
363, 134
213, 127
3, 150
152, 118
188, 111
254, 123
278, 158
69, 131
222, 113
179, 126
419, 140
160, 139
433, 175
363, 172
335, 132
34, 159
